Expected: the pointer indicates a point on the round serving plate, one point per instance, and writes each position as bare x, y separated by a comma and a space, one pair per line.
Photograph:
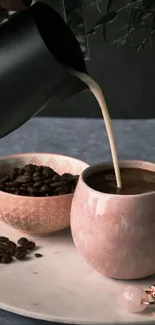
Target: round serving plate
61, 287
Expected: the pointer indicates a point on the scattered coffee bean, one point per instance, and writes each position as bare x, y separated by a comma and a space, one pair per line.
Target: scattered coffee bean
10, 251
38, 255
4, 239
6, 259
20, 255
3, 250
21, 249
22, 241
38, 181
11, 248
30, 245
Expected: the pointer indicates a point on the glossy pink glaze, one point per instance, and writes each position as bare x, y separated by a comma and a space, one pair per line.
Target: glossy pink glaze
115, 233
38, 215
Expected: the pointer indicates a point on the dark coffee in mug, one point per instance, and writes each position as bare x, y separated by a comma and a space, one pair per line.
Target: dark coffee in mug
134, 181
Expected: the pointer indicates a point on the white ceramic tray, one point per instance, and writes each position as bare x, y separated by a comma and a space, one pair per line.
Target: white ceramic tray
61, 287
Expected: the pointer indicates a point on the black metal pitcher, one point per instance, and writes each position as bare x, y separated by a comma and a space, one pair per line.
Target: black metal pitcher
36, 49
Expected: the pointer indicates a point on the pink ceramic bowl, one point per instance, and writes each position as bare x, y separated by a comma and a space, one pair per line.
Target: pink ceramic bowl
115, 233
38, 215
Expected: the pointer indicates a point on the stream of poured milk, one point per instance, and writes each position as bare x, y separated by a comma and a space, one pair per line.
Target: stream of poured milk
97, 92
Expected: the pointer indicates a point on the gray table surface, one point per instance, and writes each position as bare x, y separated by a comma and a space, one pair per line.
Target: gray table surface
85, 139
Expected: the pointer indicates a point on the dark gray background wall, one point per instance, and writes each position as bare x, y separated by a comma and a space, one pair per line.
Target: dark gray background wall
126, 77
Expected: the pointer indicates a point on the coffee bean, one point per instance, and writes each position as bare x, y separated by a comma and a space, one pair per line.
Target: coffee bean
21, 249
30, 245
62, 193
23, 179
31, 190
7, 184
38, 178
3, 249
23, 191
13, 175
4, 179
48, 181
61, 189
7, 189
2, 253
76, 178
21, 171
67, 177
72, 189
28, 174
22, 241
48, 172
37, 181
12, 189
51, 192
58, 184
25, 185
17, 192
20, 255
56, 178
12, 184
38, 184
44, 189
23, 188
38, 255
4, 239
1, 186
11, 248
29, 167
16, 169
4, 244
6, 259
37, 174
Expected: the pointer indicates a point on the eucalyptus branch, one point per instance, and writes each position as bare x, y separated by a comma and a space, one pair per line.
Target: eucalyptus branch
139, 13
145, 40
128, 5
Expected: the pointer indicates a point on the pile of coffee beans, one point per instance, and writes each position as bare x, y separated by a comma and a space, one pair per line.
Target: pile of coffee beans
9, 250
33, 180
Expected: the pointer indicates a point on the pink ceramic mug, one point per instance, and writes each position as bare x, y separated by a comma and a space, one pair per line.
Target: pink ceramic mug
115, 233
